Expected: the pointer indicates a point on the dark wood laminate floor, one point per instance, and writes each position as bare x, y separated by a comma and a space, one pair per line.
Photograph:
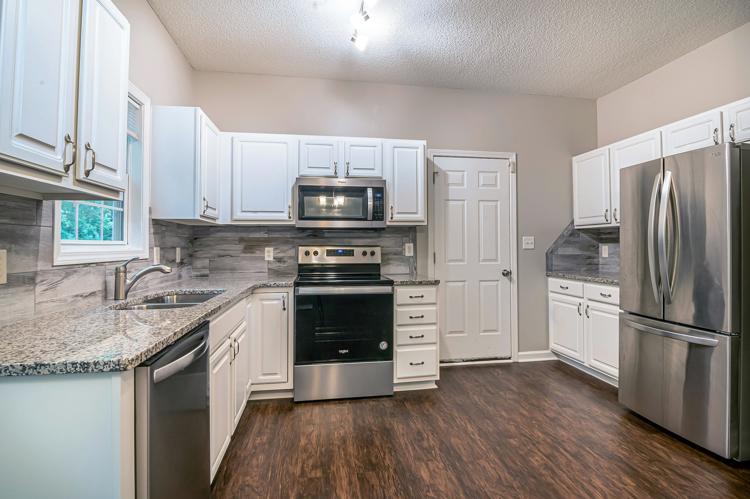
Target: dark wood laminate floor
517, 430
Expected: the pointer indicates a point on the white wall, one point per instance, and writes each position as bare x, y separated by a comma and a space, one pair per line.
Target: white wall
714, 74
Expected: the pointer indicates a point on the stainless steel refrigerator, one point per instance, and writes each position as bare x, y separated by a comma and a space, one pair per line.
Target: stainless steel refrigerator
685, 295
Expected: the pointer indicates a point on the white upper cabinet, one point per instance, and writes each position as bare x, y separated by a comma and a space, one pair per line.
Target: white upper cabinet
405, 174
264, 169
319, 157
103, 95
209, 167
737, 121
363, 157
591, 188
629, 152
696, 132
39, 41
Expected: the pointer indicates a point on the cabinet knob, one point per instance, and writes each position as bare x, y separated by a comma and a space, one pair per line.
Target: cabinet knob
716, 135
289, 211
283, 303
88, 171
416, 363
69, 142
587, 312
347, 168
391, 212
614, 215
579, 308
335, 168
731, 132
606, 215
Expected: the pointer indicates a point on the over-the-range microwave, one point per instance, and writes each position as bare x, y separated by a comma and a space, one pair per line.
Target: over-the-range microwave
339, 203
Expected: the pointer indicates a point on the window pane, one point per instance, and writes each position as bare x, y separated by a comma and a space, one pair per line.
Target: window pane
67, 221
112, 225
89, 223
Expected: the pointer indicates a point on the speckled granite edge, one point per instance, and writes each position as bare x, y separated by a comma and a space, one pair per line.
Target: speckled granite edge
412, 280
107, 339
595, 278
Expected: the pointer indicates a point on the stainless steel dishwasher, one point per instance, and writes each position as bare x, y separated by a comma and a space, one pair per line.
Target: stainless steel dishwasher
172, 421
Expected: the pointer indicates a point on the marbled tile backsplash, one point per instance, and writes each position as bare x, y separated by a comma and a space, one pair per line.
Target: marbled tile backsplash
579, 250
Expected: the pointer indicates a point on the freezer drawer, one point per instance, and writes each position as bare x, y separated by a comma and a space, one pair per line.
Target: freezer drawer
682, 379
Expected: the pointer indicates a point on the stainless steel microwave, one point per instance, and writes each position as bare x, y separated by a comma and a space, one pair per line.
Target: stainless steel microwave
339, 203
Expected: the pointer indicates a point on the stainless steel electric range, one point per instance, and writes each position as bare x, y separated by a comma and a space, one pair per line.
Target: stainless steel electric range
343, 324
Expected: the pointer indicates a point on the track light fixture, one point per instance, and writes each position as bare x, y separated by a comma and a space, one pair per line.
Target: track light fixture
358, 20
360, 41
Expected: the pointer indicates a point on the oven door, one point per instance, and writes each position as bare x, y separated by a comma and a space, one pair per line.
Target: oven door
343, 324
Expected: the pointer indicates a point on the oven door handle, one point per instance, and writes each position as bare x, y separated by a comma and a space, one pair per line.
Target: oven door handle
343, 290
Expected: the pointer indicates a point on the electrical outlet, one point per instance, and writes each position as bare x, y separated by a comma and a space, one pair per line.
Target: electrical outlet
269, 254
157, 255
178, 255
604, 251
409, 249
3, 266
527, 242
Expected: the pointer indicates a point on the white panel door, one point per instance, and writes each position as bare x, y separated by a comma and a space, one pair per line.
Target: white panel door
38, 63
591, 188
269, 339
240, 371
473, 247
220, 412
363, 158
209, 168
263, 173
603, 335
696, 132
405, 175
319, 157
566, 329
629, 152
103, 95
737, 121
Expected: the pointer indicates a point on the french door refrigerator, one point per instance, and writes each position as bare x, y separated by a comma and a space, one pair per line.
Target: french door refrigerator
685, 295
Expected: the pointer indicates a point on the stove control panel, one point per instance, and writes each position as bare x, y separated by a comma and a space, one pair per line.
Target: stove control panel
338, 254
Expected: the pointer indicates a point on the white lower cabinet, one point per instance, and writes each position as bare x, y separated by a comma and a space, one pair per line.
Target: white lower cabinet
240, 372
584, 324
270, 345
220, 388
415, 356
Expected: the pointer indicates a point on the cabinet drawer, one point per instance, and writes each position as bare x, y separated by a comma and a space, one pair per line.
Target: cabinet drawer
415, 335
222, 326
416, 315
415, 296
572, 288
605, 294
416, 362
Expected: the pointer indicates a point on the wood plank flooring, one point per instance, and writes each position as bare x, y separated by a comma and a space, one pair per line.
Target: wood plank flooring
539, 429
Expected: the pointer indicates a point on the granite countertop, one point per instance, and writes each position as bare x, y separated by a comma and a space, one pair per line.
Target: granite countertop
412, 280
103, 339
587, 276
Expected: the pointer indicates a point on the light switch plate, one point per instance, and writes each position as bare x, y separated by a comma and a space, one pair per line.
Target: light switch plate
604, 251
3, 266
157, 255
528, 242
269, 254
178, 255
409, 249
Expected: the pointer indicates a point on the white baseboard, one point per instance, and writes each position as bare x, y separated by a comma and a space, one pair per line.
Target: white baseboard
415, 385
475, 363
591, 372
536, 356
272, 394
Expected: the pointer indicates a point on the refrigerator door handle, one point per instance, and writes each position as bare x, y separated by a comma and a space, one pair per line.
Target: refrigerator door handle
666, 189
689, 338
651, 248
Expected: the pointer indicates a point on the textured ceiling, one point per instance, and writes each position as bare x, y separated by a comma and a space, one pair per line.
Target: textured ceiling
577, 48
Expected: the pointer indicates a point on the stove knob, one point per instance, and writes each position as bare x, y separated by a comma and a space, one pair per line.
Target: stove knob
315, 253
364, 253
307, 253
383, 345
372, 253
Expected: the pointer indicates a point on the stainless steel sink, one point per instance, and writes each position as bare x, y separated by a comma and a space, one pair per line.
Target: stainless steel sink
168, 301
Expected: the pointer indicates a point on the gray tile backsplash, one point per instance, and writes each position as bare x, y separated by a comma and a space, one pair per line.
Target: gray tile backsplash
579, 250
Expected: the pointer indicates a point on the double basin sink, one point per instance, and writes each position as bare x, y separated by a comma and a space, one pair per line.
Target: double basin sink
176, 299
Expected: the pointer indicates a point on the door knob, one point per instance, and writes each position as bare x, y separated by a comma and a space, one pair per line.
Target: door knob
507, 272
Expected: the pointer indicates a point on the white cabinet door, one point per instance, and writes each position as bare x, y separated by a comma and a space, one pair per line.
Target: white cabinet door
263, 172
38, 62
591, 188
405, 181
696, 132
103, 95
240, 372
629, 152
269, 339
209, 168
319, 157
220, 386
363, 158
603, 333
566, 325
737, 121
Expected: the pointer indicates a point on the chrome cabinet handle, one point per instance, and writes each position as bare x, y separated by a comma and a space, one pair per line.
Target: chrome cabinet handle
606, 215
416, 337
606, 295
716, 135
93, 159
416, 363
69, 142
335, 168
579, 308
587, 312
416, 316
614, 215
564, 287
347, 168
415, 296
391, 212
289, 211
205, 205
283, 303
731, 132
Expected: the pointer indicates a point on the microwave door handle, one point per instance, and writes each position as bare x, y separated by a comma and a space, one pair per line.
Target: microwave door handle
369, 203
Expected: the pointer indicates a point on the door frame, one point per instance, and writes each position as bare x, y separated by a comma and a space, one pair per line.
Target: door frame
431, 230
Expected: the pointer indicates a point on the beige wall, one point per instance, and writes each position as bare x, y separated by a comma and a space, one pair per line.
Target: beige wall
544, 131
716, 73
157, 65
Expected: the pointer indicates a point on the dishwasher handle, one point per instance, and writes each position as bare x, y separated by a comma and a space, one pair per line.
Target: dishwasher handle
178, 365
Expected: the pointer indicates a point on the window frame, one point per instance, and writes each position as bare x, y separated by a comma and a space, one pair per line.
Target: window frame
135, 229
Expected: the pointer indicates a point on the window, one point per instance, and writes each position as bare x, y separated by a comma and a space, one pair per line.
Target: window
103, 231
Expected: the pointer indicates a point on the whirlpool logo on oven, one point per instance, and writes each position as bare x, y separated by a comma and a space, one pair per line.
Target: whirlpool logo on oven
343, 351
